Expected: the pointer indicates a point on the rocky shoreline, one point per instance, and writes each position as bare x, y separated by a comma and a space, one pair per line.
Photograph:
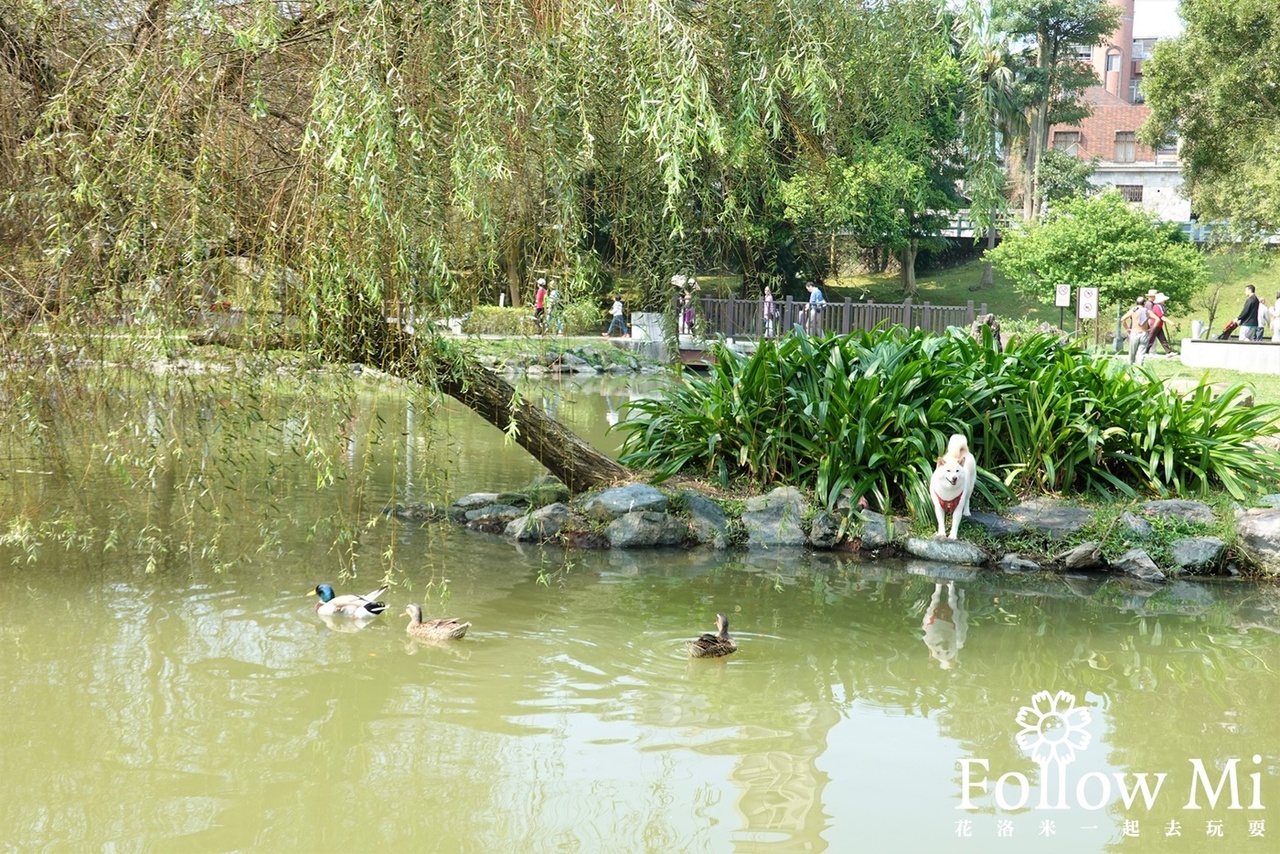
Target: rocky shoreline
641, 516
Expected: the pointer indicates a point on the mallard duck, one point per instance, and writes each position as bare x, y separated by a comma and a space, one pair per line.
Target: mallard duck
445, 628
349, 605
714, 646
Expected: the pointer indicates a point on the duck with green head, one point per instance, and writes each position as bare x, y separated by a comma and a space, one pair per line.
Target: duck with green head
349, 604
714, 645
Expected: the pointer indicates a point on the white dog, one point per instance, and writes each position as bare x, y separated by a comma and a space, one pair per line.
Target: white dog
951, 486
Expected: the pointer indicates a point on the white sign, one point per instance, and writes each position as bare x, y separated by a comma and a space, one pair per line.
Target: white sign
1088, 304
1063, 296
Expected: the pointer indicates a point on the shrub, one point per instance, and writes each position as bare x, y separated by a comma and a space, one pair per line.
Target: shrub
872, 411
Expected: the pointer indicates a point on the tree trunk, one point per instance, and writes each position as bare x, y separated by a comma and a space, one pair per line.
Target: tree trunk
577, 464
988, 276
907, 268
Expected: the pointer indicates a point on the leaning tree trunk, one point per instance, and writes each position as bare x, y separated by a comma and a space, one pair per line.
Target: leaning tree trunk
579, 465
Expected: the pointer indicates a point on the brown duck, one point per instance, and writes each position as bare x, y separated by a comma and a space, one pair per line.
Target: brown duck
443, 629
713, 646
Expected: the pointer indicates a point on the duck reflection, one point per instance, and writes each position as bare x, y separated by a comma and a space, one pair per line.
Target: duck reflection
345, 624
946, 622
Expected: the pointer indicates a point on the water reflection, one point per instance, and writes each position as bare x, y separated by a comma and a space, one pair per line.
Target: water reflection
199, 703
946, 623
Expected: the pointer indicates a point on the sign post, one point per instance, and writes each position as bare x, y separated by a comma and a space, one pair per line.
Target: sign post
1062, 299
1087, 309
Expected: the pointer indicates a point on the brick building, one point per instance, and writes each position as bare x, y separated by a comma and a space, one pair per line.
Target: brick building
1151, 179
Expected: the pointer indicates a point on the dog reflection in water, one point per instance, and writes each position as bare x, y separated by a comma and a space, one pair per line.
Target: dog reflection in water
946, 622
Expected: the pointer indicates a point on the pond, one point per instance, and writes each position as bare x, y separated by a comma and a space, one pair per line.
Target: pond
168, 686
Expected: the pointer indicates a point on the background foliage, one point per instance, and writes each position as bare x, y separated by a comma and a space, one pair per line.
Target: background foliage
872, 412
1103, 243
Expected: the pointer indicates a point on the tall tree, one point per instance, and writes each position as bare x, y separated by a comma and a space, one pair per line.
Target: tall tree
369, 160
1216, 88
1052, 80
994, 121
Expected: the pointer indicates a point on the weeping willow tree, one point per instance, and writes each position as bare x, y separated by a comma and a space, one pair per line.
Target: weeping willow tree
362, 169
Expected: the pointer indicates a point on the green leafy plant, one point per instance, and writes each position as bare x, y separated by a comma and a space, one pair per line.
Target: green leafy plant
870, 413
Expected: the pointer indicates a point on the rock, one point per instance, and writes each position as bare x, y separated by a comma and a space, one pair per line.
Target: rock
1188, 511
492, 518
1137, 526
642, 529
541, 525
707, 520
1272, 500
1138, 564
877, 529
612, 503
1259, 538
458, 509
774, 519
996, 526
1197, 554
824, 533
946, 551
1016, 563
515, 499
1083, 557
1054, 520
416, 512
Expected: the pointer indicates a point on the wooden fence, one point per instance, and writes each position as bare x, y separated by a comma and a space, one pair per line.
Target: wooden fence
744, 318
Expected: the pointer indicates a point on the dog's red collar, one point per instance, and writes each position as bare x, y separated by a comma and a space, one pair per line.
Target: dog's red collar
948, 505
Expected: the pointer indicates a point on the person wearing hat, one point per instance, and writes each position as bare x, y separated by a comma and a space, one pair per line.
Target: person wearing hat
1156, 324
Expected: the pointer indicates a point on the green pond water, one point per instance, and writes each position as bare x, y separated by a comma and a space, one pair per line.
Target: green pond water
165, 684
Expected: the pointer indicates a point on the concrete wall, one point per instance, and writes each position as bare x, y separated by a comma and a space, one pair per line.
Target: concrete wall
1254, 357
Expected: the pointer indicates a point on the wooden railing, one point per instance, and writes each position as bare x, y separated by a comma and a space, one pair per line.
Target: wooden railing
744, 318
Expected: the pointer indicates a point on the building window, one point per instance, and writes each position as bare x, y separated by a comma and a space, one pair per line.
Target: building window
1135, 91
1142, 48
1082, 52
1067, 141
1130, 192
1126, 146
1113, 61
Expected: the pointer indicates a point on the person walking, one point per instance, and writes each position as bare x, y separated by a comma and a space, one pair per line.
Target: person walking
1248, 317
1275, 321
553, 307
686, 305
540, 307
617, 322
813, 310
1158, 321
1135, 322
768, 312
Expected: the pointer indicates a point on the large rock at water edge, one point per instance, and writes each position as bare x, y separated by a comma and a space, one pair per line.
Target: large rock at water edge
1258, 531
943, 550
541, 525
645, 529
775, 519
707, 521
612, 503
